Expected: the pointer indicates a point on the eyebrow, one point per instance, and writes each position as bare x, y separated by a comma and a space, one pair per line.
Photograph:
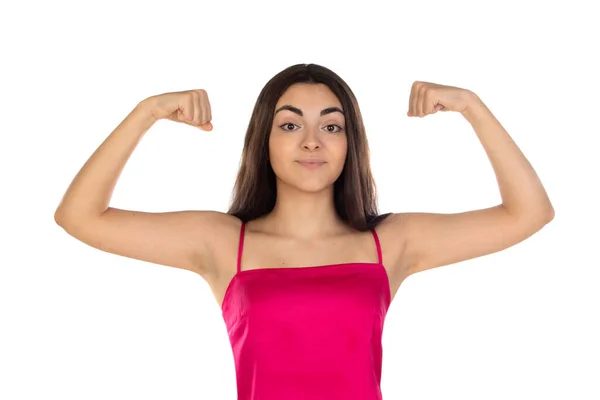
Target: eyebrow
298, 111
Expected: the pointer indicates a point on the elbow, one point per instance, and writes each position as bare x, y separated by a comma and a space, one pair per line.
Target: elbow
64, 218
59, 218
551, 214
548, 213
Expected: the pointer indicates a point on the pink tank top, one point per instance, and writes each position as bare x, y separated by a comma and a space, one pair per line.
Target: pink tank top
307, 333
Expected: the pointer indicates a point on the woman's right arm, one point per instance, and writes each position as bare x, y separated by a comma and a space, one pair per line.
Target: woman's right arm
180, 239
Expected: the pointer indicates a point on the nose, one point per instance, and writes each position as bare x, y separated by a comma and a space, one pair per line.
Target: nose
311, 146
311, 140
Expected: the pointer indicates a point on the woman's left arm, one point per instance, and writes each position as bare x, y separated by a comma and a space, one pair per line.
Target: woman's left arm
432, 239
522, 192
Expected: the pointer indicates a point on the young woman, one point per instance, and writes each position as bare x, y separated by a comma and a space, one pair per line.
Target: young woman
303, 265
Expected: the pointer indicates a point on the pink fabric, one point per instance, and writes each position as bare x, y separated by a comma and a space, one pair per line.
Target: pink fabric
308, 333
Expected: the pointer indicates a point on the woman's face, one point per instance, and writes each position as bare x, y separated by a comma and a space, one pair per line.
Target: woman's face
308, 125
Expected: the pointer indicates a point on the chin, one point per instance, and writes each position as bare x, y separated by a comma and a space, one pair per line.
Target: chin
311, 185
313, 188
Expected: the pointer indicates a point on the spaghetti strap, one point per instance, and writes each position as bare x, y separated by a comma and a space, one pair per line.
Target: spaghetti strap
379, 257
241, 246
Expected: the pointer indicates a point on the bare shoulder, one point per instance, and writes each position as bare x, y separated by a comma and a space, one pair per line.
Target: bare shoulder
220, 239
393, 232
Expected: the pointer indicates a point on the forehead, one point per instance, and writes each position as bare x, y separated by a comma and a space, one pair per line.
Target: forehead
306, 95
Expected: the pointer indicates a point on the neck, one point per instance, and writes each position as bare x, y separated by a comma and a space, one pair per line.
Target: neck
303, 214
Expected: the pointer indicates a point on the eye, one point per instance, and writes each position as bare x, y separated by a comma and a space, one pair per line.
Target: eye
339, 128
287, 124
291, 123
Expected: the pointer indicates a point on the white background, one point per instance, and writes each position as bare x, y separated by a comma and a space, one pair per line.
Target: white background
78, 323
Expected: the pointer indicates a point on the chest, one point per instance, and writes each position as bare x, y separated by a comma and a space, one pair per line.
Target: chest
264, 252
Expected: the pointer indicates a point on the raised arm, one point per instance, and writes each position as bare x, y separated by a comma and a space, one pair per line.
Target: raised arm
178, 239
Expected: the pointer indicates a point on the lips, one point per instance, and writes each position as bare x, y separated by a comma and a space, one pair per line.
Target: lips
311, 160
311, 164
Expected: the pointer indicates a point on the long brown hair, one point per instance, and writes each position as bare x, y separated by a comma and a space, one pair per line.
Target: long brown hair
255, 191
